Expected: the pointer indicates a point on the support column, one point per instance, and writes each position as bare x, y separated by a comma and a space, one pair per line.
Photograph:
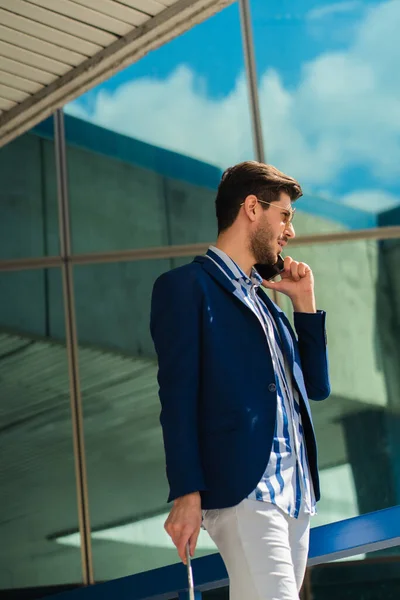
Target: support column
252, 86
72, 350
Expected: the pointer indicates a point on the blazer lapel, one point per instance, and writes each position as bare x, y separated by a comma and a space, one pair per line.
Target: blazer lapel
279, 318
287, 340
213, 269
215, 272
278, 315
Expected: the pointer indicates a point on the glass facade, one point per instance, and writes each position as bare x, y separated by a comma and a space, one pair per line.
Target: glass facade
28, 195
118, 371
327, 102
372, 577
145, 152
120, 402
37, 479
375, 576
149, 155
358, 428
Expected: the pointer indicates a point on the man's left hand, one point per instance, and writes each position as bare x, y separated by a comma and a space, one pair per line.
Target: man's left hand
297, 282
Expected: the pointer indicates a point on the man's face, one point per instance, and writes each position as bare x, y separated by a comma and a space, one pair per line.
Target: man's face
272, 231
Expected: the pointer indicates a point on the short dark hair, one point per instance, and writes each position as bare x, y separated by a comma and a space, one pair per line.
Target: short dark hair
245, 179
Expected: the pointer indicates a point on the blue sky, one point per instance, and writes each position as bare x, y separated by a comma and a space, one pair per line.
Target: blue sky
284, 39
323, 73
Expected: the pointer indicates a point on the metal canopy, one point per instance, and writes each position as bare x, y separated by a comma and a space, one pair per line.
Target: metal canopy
52, 51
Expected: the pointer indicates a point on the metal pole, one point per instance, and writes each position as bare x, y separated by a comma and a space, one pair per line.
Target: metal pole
72, 350
251, 74
252, 86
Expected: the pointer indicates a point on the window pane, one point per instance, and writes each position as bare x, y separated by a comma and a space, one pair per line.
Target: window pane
376, 577
147, 148
372, 577
28, 195
37, 478
126, 465
358, 427
329, 104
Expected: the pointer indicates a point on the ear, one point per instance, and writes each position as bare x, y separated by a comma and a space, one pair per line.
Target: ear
250, 206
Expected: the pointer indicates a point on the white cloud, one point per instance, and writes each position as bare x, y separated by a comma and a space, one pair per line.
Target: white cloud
75, 109
371, 200
176, 114
330, 10
344, 112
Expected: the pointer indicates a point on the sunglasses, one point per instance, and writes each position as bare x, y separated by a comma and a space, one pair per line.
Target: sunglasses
288, 212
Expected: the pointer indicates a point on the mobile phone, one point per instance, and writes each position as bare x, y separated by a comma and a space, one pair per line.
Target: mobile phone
268, 272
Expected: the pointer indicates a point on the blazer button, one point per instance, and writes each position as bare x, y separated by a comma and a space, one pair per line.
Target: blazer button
272, 387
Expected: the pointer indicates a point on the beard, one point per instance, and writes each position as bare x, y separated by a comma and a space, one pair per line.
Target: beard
262, 245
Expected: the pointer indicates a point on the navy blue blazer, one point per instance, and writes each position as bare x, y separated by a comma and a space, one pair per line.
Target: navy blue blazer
217, 383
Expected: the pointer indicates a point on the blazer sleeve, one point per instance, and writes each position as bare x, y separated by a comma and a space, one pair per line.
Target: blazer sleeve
312, 344
175, 325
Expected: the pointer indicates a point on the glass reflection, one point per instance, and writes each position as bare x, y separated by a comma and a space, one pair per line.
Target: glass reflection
328, 107
37, 478
358, 427
375, 577
28, 195
147, 148
126, 465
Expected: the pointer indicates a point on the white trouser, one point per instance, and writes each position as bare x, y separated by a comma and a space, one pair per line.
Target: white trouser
264, 550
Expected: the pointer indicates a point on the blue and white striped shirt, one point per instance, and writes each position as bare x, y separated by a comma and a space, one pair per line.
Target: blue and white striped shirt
286, 481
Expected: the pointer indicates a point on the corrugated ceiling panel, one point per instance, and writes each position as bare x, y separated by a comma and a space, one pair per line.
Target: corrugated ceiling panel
19, 83
88, 16
110, 8
41, 365
26, 71
55, 21
48, 34
169, 2
6, 104
70, 46
10, 93
31, 43
151, 7
11, 342
31, 58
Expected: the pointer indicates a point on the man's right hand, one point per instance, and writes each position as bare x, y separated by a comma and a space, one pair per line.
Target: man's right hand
184, 522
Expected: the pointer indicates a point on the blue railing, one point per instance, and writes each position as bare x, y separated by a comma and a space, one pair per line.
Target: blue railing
370, 532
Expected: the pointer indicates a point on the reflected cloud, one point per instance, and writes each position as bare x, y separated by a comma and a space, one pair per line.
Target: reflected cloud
343, 114
371, 200
333, 9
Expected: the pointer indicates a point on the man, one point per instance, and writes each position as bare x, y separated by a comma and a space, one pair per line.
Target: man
234, 387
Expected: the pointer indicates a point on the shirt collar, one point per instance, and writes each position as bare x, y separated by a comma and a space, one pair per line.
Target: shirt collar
232, 269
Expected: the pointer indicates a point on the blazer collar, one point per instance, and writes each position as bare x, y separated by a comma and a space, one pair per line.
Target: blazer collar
276, 312
215, 272
219, 276
280, 318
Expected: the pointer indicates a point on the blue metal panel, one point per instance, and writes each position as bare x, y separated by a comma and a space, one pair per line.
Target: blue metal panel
345, 538
121, 147
185, 596
367, 533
